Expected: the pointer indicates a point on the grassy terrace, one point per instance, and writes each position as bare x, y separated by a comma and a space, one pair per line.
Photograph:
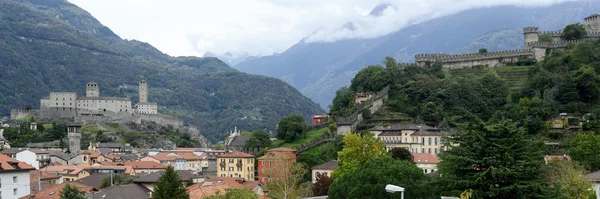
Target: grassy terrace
311, 135
515, 76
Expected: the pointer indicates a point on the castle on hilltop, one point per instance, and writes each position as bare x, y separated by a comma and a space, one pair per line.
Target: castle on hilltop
533, 49
68, 104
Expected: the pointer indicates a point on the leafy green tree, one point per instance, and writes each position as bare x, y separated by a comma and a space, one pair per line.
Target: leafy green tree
533, 113
116, 180
71, 192
235, 194
569, 177
574, 32
291, 127
169, 186
286, 185
545, 38
343, 102
588, 83
369, 181
584, 148
495, 160
358, 150
219, 146
321, 186
259, 139
371, 79
400, 153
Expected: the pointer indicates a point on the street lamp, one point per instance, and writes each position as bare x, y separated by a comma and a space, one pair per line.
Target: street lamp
393, 189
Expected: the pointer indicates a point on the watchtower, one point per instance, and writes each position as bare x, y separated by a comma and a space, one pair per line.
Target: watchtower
143, 91
74, 136
530, 34
92, 89
592, 23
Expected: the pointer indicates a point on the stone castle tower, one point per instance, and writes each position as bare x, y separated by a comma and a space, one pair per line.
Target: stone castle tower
74, 138
530, 34
143, 91
92, 89
592, 23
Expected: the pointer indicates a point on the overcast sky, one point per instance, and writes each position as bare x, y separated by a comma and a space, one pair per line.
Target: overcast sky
264, 27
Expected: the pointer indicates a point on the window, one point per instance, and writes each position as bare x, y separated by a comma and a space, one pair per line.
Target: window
15, 191
429, 141
429, 150
14, 179
270, 164
324, 173
436, 151
436, 141
422, 150
423, 141
262, 163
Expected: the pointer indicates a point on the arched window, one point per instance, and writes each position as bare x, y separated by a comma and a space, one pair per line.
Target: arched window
429, 141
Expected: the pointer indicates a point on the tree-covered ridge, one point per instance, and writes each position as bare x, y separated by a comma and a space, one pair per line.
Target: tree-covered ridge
55, 46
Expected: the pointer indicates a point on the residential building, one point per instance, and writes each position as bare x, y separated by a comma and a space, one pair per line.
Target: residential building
111, 146
95, 180
426, 161
236, 164
44, 179
325, 169
28, 157
595, 179
140, 167
275, 164
54, 192
319, 119
168, 159
417, 138
14, 177
151, 179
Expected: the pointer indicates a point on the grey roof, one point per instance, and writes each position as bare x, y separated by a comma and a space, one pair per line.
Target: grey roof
62, 155
395, 130
153, 177
594, 177
110, 145
127, 156
126, 191
104, 98
95, 180
331, 165
239, 140
104, 151
11, 151
399, 127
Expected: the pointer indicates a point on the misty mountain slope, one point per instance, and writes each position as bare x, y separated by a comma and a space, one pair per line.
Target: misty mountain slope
303, 64
52, 45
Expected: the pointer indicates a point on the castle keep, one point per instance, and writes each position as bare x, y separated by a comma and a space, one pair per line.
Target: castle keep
533, 48
68, 104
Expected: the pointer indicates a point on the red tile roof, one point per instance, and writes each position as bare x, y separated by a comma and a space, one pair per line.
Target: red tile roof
136, 164
33, 175
425, 158
54, 192
199, 191
11, 164
274, 156
235, 154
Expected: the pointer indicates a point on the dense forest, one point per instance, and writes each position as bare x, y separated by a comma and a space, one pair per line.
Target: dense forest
52, 45
565, 82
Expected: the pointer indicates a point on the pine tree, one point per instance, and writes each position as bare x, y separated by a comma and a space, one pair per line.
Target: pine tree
494, 160
169, 186
71, 192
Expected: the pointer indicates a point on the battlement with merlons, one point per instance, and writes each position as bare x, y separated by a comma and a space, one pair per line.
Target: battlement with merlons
473, 56
553, 44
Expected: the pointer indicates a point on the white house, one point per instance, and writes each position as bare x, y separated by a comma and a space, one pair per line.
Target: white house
28, 157
14, 177
595, 179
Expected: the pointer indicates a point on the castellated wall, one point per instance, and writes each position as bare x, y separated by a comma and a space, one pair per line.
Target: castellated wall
489, 59
21, 113
161, 119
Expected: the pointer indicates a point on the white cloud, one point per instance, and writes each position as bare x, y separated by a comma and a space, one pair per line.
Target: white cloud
263, 27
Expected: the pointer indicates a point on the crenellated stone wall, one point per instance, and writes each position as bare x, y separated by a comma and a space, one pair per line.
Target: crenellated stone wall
489, 59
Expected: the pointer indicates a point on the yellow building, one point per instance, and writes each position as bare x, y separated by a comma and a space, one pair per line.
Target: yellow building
236, 164
417, 138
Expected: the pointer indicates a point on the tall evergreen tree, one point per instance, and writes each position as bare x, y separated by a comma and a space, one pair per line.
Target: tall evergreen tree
169, 186
495, 160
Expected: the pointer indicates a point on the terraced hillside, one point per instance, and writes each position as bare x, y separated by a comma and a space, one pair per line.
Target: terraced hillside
515, 76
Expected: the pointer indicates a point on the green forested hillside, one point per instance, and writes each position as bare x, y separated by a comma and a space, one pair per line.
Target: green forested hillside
52, 45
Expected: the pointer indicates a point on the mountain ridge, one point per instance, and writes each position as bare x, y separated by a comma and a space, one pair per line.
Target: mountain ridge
449, 34
53, 45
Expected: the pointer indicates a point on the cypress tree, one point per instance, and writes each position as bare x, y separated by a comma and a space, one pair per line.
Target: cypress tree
169, 186
495, 160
